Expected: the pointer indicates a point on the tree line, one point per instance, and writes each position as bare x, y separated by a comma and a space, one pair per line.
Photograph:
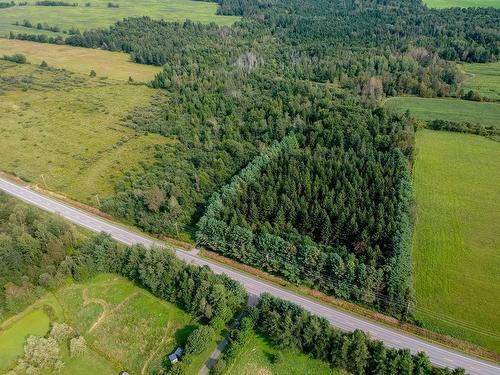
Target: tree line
289, 327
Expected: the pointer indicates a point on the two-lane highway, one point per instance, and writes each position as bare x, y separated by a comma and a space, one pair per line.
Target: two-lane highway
439, 355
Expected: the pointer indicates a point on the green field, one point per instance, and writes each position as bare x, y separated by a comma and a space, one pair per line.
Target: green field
456, 239
486, 114
99, 15
114, 65
124, 326
484, 78
462, 3
258, 357
65, 131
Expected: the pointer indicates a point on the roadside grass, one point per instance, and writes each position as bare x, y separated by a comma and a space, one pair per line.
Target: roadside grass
114, 65
484, 78
72, 141
124, 326
462, 3
99, 15
12, 340
259, 357
483, 113
456, 237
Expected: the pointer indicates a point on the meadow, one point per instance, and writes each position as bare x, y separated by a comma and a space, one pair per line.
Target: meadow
124, 326
66, 132
456, 237
98, 14
462, 3
259, 357
483, 113
114, 65
483, 78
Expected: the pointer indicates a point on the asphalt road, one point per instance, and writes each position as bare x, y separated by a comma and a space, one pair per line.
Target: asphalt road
439, 355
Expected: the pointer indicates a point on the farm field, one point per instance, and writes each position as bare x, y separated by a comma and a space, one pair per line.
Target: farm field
462, 3
124, 326
114, 65
98, 14
259, 357
486, 114
65, 131
484, 78
456, 238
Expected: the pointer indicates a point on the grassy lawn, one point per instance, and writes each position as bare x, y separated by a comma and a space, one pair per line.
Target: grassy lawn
35, 322
456, 239
462, 3
484, 78
487, 114
99, 15
124, 326
114, 65
257, 357
70, 137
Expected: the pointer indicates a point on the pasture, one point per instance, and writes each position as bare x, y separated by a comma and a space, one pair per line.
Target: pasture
456, 237
65, 132
98, 14
259, 357
484, 78
114, 65
486, 114
462, 3
124, 326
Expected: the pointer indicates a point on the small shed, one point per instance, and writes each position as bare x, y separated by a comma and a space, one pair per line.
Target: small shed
179, 352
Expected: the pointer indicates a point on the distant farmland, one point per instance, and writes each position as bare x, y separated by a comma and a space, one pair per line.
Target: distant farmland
487, 114
98, 14
456, 239
484, 78
462, 3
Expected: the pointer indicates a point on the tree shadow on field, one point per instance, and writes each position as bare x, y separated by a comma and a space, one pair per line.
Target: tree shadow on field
182, 334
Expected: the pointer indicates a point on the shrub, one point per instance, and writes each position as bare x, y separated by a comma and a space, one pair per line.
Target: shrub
199, 339
77, 346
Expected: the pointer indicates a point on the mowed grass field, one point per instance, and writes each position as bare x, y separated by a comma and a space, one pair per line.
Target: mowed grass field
484, 78
258, 357
462, 3
124, 326
484, 113
99, 15
65, 132
114, 65
457, 238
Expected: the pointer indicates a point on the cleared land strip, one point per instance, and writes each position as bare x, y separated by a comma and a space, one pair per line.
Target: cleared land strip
439, 355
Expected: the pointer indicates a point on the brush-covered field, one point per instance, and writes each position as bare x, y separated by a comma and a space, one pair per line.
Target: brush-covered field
124, 326
462, 3
259, 357
483, 113
66, 132
484, 78
456, 239
114, 65
98, 14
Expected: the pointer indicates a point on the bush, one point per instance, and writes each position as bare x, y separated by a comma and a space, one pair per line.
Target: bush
18, 58
61, 332
77, 346
199, 339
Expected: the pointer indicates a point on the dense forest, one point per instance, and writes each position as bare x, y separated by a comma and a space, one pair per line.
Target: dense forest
327, 207
313, 68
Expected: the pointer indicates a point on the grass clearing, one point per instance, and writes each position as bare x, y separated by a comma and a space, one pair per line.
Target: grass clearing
484, 78
124, 326
456, 239
12, 340
98, 14
70, 138
486, 114
258, 357
115, 65
462, 3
